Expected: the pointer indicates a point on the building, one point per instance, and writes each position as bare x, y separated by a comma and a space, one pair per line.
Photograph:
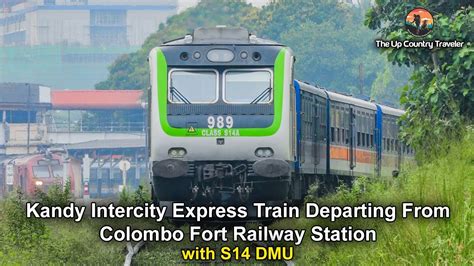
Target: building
34, 117
70, 43
23, 109
36, 122
82, 22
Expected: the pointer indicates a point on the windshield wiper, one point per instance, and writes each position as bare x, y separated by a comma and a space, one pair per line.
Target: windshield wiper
266, 93
179, 95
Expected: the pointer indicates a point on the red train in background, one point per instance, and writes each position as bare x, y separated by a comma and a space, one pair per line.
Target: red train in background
37, 171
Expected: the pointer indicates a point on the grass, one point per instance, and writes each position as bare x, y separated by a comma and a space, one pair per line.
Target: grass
448, 180
445, 181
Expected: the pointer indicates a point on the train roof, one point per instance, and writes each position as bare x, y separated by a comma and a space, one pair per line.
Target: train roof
307, 87
391, 111
334, 96
338, 97
22, 159
220, 35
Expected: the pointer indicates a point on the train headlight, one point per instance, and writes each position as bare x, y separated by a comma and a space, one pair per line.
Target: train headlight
39, 183
220, 55
177, 152
264, 152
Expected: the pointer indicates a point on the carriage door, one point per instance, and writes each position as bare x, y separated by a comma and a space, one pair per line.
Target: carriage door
352, 139
316, 123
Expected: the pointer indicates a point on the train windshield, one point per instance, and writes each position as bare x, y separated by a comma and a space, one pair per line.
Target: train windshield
57, 171
248, 87
41, 171
192, 86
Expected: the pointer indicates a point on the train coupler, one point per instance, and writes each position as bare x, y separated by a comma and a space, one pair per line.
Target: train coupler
195, 191
244, 193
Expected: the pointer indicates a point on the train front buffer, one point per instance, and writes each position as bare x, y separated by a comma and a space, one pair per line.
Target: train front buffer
222, 182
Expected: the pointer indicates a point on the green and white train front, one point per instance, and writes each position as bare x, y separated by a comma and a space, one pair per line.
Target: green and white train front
220, 118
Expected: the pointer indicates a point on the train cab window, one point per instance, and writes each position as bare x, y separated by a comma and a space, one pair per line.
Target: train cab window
48, 162
248, 87
193, 86
41, 171
57, 171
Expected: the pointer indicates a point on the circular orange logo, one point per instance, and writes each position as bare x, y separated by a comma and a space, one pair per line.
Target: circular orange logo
419, 22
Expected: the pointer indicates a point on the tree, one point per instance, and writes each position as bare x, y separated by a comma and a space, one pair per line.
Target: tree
440, 99
387, 86
330, 56
328, 37
131, 71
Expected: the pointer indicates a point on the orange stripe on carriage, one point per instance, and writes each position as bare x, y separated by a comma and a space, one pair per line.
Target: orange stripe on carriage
362, 156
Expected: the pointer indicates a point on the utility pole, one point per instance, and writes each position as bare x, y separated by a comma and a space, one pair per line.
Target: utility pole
4, 16
28, 108
361, 79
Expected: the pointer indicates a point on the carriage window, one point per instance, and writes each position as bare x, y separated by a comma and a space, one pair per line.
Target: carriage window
41, 171
248, 87
190, 86
57, 171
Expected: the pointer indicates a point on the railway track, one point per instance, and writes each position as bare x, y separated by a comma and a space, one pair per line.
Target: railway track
132, 249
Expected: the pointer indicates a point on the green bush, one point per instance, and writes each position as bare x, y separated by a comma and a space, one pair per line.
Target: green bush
18, 230
138, 197
56, 195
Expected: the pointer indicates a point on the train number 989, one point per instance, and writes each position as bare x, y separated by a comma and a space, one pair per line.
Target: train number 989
220, 122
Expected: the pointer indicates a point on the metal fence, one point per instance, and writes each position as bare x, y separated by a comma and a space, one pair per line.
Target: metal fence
80, 126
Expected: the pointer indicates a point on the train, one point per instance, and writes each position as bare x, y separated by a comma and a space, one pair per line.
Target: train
32, 172
229, 124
